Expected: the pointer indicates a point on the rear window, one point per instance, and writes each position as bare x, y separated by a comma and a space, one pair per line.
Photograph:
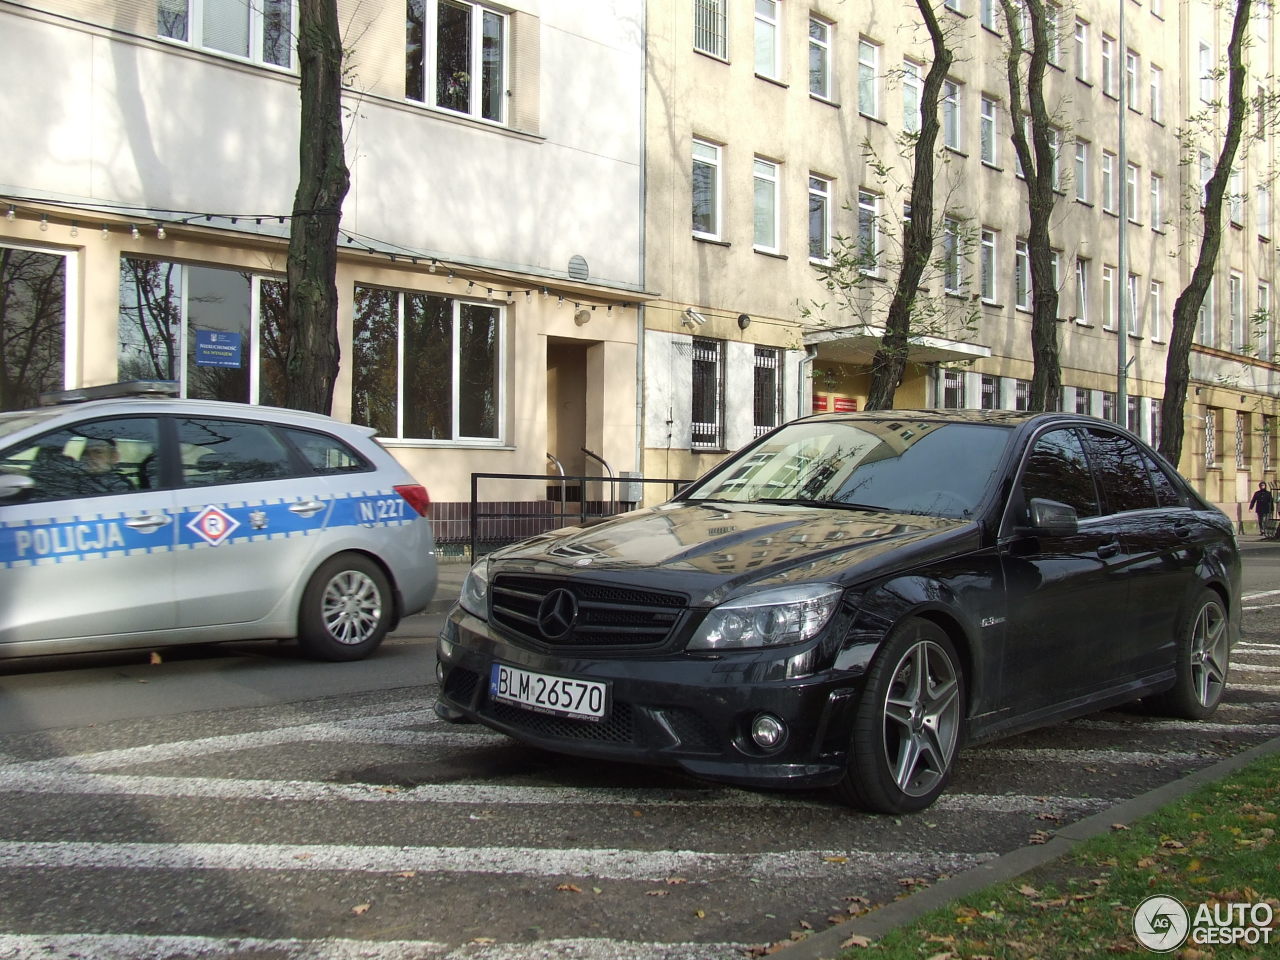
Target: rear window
327, 454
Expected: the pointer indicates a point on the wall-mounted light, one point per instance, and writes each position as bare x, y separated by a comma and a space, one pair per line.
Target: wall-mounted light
582, 317
160, 231
744, 321
44, 222
75, 228
692, 317
12, 214
134, 232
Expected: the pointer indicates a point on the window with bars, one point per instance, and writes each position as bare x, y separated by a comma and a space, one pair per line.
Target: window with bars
1210, 438
767, 400
707, 395
1155, 423
952, 389
1022, 395
1268, 427
1083, 397
990, 399
1108, 406
710, 27
1242, 440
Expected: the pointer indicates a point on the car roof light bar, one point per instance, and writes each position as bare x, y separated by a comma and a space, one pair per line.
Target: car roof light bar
111, 391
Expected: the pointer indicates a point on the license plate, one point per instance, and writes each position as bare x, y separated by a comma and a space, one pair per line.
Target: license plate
561, 696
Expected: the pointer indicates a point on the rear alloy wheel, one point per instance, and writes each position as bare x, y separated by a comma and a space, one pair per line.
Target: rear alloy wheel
1203, 661
346, 609
907, 725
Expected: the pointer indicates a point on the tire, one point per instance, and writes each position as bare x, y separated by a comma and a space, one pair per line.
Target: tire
907, 724
1203, 660
346, 609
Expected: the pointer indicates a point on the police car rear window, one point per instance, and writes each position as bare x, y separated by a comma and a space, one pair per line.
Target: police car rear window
326, 454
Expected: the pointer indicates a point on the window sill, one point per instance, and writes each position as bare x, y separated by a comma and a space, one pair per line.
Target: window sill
1111, 96
1111, 213
711, 56
714, 241
993, 31
1083, 82
992, 166
773, 80
408, 444
873, 118
956, 150
1084, 203
771, 254
824, 100
1082, 323
994, 304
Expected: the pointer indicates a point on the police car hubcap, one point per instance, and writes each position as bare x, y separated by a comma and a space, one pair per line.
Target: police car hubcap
352, 607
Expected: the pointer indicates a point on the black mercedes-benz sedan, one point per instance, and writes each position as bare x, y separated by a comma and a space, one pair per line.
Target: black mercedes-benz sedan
851, 598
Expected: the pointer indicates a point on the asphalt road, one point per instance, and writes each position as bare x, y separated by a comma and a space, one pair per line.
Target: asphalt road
244, 802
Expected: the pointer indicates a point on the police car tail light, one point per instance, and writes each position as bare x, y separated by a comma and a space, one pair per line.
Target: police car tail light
417, 497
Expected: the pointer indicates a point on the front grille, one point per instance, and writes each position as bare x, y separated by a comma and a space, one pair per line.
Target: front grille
691, 729
460, 685
616, 728
607, 616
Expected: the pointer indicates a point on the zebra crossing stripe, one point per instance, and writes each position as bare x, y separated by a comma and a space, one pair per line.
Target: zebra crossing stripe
1053, 755
604, 863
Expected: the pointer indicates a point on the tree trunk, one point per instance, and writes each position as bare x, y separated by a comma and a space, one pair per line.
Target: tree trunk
890, 361
1038, 170
1187, 307
311, 340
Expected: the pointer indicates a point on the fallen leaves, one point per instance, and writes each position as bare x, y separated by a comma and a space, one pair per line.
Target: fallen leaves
361, 909
568, 888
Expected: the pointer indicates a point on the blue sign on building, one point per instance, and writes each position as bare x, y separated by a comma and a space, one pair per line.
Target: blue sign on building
217, 348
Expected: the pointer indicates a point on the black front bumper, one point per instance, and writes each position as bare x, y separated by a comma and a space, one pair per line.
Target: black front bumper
689, 711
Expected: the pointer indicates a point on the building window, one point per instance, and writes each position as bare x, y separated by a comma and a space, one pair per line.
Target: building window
710, 28
1156, 80
1263, 209
987, 129
1084, 399
1155, 311
1268, 431
1134, 325
1208, 85
1263, 318
767, 403
1235, 198
1132, 80
1206, 319
952, 389
820, 45
952, 5
1157, 201
1235, 305
1242, 440
1082, 50
990, 399
1133, 419
987, 266
1054, 136
1052, 34
1108, 65
1211, 437
1155, 423
952, 257
912, 90
868, 232
1082, 171
1022, 394
765, 188
1109, 406
767, 27
33, 308
261, 32
219, 332
1082, 290
456, 58
1131, 192
426, 367
706, 190
819, 219
987, 13
1108, 181
707, 395
868, 78
1108, 297
1021, 276
951, 114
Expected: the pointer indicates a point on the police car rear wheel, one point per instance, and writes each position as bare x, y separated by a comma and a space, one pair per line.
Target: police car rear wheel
346, 609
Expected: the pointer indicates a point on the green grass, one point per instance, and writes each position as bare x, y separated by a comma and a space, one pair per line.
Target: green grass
1216, 845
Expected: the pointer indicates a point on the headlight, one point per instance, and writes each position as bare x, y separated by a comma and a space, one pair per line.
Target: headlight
475, 591
768, 619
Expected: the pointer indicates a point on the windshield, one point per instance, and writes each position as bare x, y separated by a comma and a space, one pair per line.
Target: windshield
931, 469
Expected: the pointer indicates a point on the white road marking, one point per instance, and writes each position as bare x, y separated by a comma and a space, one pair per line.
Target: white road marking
133, 947
1197, 726
1266, 688
1051, 755
1253, 667
604, 863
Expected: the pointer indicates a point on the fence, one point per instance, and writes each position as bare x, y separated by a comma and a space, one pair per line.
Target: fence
562, 501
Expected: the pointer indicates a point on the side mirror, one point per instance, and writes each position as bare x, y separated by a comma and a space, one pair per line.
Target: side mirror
12, 484
1051, 518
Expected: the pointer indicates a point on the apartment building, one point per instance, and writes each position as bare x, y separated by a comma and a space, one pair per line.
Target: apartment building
490, 269
778, 131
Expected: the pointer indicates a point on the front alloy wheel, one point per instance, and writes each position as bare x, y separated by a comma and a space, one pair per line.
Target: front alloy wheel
907, 726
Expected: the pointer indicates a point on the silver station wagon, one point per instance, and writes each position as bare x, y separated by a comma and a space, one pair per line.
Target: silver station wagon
130, 518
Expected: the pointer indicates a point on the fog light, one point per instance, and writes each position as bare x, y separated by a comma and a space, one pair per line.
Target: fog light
439, 672
767, 731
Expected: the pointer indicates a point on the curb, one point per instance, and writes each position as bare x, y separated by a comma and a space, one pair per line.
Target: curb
825, 944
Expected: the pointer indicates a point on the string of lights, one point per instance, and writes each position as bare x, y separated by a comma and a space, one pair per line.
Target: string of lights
493, 284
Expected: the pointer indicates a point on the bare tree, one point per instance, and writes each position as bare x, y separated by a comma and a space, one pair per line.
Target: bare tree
1039, 163
890, 361
311, 319
1187, 307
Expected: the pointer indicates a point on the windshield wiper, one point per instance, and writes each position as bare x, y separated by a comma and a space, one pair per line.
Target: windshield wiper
805, 502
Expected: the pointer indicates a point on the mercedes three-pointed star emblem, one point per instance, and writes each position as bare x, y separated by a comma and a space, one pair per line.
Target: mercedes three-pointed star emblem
557, 613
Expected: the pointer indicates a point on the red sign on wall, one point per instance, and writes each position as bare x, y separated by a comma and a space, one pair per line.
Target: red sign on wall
819, 402
846, 404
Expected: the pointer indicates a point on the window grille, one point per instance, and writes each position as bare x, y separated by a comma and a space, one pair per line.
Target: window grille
709, 31
708, 395
990, 395
768, 390
1268, 424
952, 389
1242, 432
1210, 438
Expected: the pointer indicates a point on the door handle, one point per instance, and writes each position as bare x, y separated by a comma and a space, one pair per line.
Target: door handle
1108, 550
149, 523
307, 508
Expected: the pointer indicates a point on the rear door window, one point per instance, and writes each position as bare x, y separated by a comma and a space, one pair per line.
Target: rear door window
1122, 472
232, 451
326, 454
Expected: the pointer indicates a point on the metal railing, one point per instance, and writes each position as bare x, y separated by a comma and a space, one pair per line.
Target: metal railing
553, 507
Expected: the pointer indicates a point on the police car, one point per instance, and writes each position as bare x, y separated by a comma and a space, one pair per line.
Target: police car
130, 518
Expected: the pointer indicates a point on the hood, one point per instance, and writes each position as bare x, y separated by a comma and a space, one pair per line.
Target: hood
713, 548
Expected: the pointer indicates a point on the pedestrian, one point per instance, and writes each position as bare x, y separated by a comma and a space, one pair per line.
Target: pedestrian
1261, 503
